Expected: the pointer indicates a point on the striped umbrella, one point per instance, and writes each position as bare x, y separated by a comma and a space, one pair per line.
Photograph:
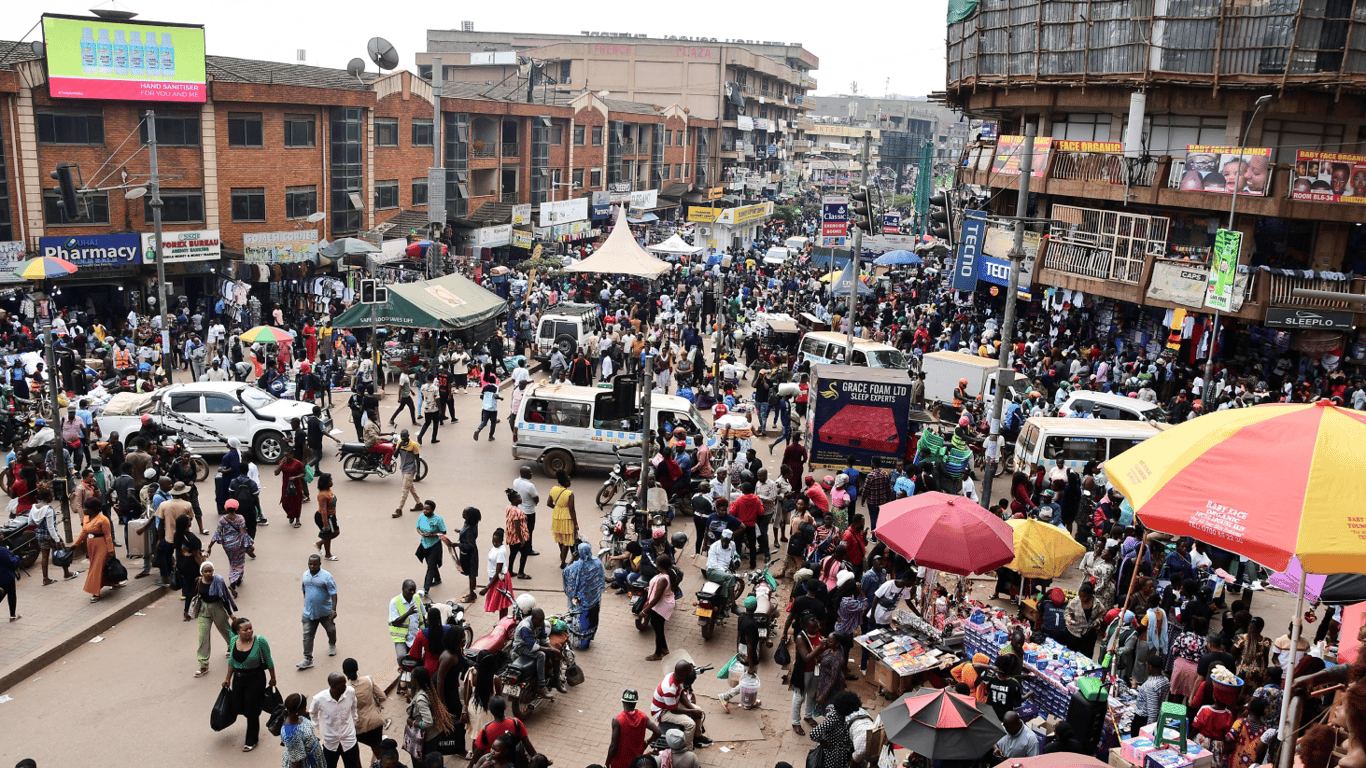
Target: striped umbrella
265, 334
43, 268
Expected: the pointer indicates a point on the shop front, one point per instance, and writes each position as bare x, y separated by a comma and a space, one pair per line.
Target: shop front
192, 260
281, 267
105, 283
491, 244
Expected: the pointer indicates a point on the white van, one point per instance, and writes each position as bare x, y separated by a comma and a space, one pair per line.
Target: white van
828, 347
1043, 440
565, 427
570, 327
1104, 405
777, 256
797, 245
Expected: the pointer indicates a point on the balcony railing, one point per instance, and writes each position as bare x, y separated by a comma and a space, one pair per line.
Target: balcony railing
483, 152
510, 149
1104, 245
1282, 286
1104, 168
509, 197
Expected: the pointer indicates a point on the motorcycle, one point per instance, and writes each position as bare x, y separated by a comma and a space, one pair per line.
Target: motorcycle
661, 744
18, 537
170, 452
359, 462
615, 526
709, 602
515, 679
621, 474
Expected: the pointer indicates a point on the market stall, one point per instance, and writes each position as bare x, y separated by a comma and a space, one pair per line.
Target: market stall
905, 652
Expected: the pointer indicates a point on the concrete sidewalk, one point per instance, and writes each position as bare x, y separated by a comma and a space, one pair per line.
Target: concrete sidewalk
60, 617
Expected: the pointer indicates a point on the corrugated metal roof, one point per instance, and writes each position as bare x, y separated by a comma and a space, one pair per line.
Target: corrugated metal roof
234, 70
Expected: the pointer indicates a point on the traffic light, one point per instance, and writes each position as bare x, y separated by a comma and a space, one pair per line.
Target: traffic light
367, 291
941, 217
66, 192
861, 210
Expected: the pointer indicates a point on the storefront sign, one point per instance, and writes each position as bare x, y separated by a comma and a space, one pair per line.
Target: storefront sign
645, 200
746, 214
521, 239
834, 221
994, 271
575, 230
89, 252
715, 193
1067, 145
1329, 177
11, 253
492, 237
1097, 161
521, 214
1009, 152
703, 215
1321, 319
1225, 170
1187, 284
291, 247
619, 192
200, 245
969, 251
563, 211
744, 122
891, 223
1224, 268
600, 205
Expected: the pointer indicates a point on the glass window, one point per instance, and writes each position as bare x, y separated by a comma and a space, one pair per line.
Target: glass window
174, 131
1083, 127
1080, 449
557, 134
300, 131
664, 171
597, 135
1289, 137
249, 204
69, 128
558, 413
245, 129
420, 191
422, 132
256, 398
218, 404
668, 137
386, 194
178, 206
578, 178
578, 135
595, 178
96, 207
1119, 445
681, 136
185, 403
386, 131
301, 202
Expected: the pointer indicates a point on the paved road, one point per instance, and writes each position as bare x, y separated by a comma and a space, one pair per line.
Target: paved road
133, 694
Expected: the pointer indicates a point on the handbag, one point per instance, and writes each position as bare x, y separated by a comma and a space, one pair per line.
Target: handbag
114, 572
574, 675
816, 757
62, 557
197, 605
223, 714
308, 473
782, 656
450, 743
412, 740
274, 703
421, 553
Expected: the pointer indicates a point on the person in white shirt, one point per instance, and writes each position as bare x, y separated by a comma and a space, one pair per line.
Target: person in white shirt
215, 373
333, 713
969, 487
720, 555
889, 596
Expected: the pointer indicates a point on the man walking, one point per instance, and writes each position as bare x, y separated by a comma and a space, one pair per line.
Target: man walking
432, 399
407, 450
320, 607
489, 407
530, 499
628, 732
333, 711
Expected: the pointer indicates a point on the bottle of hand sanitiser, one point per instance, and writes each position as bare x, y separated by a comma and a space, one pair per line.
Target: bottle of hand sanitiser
120, 52
135, 66
151, 56
88, 65
167, 55
104, 54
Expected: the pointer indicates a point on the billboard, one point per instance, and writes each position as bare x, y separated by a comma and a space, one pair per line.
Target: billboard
564, 211
834, 221
95, 58
702, 215
1329, 177
891, 223
1225, 170
858, 413
969, 250
91, 252
197, 245
292, 247
1009, 150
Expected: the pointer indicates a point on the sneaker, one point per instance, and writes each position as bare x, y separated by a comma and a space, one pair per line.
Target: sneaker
305, 664
331, 650
701, 741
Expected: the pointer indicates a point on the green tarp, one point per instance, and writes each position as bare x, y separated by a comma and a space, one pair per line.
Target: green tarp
961, 9
449, 303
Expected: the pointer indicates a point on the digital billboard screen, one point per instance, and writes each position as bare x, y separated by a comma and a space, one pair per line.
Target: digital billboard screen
95, 58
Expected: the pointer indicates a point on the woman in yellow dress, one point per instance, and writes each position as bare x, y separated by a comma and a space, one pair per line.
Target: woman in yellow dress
99, 547
564, 521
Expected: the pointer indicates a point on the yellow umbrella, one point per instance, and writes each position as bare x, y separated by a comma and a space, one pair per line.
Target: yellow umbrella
1043, 550
863, 277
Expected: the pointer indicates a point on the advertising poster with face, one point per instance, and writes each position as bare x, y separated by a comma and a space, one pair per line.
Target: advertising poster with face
1227, 170
1329, 177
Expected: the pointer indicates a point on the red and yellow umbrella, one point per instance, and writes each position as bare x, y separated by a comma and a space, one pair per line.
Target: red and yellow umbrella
1269, 483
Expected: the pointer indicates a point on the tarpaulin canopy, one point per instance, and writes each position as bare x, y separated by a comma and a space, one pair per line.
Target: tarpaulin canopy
449, 303
674, 245
620, 254
845, 283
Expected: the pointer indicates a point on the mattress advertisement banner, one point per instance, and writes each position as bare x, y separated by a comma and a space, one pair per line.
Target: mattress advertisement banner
858, 413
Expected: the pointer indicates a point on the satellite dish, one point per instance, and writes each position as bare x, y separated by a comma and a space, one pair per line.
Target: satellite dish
382, 52
38, 48
314, 218
355, 67
113, 10
135, 193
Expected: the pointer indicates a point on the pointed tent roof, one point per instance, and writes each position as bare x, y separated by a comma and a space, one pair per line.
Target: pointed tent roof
674, 245
845, 281
620, 254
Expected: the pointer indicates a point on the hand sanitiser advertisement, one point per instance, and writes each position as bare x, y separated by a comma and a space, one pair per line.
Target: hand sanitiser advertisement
95, 58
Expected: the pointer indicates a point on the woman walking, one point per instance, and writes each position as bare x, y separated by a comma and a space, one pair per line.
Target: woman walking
807, 646
564, 521
450, 692
216, 608
426, 713
303, 748
498, 594
369, 707
326, 517
237, 544
292, 486
99, 547
583, 584
189, 553
249, 663
518, 533
44, 519
659, 604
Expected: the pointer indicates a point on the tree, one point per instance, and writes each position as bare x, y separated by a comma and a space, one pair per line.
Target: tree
786, 213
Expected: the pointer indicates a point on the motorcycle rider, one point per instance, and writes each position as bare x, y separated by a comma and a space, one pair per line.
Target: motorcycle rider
721, 556
375, 442
531, 641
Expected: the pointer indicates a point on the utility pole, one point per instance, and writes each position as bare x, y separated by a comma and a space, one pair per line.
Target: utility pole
647, 383
435, 216
154, 187
59, 480
719, 336
856, 249
1008, 322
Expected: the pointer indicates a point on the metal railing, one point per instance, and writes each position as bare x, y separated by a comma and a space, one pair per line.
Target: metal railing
1281, 289
483, 152
1105, 245
1104, 168
509, 197
510, 149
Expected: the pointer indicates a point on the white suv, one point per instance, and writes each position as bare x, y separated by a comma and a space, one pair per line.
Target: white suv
569, 327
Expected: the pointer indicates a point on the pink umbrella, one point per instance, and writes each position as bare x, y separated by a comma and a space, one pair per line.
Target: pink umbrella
1289, 581
947, 533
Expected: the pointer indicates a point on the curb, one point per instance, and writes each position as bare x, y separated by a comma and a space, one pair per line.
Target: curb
49, 655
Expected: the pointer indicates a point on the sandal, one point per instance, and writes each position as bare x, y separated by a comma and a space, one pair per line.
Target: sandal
248, 747
653, 657
202, 671
468, 598
725, 705
797, 729
523, 576
49, 581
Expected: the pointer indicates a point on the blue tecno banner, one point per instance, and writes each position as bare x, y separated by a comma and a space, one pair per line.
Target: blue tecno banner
969, 252
993, 270
94, 251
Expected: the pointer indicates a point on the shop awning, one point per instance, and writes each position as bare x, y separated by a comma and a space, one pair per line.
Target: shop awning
620, 254
449, 303
674, 246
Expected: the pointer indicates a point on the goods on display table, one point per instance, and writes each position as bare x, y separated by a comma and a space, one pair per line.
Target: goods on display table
1055, 670
906, 649
1140, 752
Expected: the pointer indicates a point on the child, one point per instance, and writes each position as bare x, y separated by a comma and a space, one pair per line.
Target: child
1211, 726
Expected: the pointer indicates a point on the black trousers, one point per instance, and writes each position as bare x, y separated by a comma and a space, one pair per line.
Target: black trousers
523, 549
349, 758
431, 419
433, 557
657, 624
747, 537
448, 406
11, 598
530, 533
248, 686
406, 402
699, 523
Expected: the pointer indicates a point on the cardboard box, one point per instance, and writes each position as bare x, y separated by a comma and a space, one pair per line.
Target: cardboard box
1198, 755
1167, 757
1117, 759
1135, 750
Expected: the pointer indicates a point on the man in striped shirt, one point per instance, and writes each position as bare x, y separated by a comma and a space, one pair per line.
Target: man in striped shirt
877, 490
673, 704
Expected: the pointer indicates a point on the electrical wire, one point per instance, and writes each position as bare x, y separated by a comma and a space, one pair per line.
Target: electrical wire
135, 131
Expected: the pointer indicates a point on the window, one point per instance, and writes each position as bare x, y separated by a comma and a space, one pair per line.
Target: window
1083, 127
684, 175
682, 137
219, 404
300, 131
174, 131
558, 412
595, 178
664, 171
1169, 134
96, 209
578, 135
557, 135
577, 178
597, 135
422, 132
420, 191
301, 202
249, 204
1290, 137
70, 128
244, 129
386, 131
1074, 449
564, 72
668, 137
185, 403
386, 194
178, 206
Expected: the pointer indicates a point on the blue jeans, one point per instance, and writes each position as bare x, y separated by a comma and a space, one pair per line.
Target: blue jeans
490, 418
621, 577
763, 413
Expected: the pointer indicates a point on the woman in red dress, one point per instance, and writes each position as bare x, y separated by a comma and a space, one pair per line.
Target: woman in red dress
292, 488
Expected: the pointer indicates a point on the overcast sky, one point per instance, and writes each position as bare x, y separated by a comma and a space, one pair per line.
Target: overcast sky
864, 42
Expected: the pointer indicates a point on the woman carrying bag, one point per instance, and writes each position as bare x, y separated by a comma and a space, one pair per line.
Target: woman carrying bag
427, 717
212, 607
249, 662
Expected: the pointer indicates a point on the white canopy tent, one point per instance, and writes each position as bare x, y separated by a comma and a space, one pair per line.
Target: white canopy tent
620, 254
674, 246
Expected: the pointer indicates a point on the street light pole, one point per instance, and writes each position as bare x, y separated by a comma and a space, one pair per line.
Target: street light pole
1008, 321
1232, 211
59, 479
154, 187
